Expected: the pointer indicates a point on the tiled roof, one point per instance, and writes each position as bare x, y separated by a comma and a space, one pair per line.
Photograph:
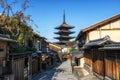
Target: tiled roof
6, 38
97, 25
37, 35
77, 54
64, 37
23, 53
102, 23
98, 42
113, 46
64, 25
64, 31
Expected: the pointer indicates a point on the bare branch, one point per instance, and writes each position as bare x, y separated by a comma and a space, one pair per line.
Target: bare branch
24, 5
2, 3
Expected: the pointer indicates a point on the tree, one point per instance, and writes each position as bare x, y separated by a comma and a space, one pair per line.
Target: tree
71, 45
16, 24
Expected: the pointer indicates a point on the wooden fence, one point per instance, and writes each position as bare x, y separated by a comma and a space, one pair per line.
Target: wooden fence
18, 69
112, 65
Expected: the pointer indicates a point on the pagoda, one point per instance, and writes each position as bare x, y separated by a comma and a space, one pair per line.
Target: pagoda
64, 32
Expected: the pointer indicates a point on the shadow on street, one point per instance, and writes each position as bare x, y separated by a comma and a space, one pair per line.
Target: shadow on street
62, 71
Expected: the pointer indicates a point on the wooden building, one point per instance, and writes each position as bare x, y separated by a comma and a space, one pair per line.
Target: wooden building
51, 56
39, 42
4, 57
94, 58
21, 65
112, 61
99, 30
36, 63
56, 51
42, 48
92, 38
42, 58
102, 58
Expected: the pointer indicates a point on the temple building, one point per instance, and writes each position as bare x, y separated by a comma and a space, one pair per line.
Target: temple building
64, 32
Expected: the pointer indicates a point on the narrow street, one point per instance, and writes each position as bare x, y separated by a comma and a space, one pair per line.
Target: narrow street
62, 72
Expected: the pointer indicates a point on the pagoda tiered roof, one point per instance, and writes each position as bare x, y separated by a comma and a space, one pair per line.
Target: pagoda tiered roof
62, 42
64, 25
64, 37
64, 32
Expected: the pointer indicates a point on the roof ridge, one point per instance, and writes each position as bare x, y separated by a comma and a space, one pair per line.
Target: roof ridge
104, 38
4, 36
101, 22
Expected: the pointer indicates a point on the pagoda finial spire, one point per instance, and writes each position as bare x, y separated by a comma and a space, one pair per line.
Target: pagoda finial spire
64, 17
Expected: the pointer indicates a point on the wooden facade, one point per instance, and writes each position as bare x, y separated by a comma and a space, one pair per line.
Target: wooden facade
37, 62
21, 65
18, 69
94, 61
47, 62
43, 58
36, 65
94, 58
42, 49
103, 63
41, 62
103, 59
88, 57
112, 61
88, 60
5, 65
98, 62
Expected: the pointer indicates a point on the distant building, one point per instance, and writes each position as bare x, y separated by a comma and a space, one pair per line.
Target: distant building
64, 32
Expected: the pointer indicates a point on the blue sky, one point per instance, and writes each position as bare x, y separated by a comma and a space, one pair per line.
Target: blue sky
48, 14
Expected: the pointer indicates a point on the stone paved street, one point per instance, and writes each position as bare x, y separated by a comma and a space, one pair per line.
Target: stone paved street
90, 77
62, 72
